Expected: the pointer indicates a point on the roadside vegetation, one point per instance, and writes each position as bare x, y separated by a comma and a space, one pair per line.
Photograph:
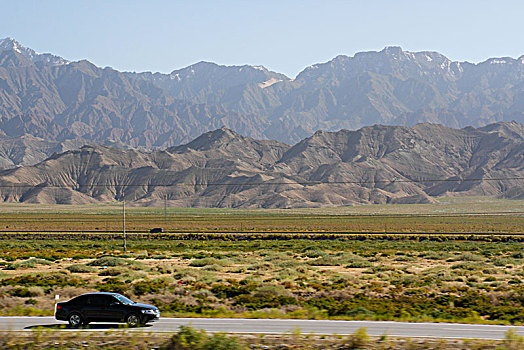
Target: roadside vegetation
377, 279
188, 338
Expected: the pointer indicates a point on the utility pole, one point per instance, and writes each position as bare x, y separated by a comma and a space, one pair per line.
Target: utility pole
124, 223
165, 211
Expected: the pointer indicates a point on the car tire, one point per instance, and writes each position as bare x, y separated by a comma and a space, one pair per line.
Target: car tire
75, 320
133, 320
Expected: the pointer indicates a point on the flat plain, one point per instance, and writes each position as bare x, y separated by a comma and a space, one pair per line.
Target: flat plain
460, 260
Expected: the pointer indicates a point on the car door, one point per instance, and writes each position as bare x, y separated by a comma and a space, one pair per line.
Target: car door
115, 310
93, 310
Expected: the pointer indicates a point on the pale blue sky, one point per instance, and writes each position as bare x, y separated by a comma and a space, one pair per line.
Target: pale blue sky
285, 35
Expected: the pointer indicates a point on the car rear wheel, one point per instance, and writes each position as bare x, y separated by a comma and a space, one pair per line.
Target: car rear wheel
75, 319
133, 320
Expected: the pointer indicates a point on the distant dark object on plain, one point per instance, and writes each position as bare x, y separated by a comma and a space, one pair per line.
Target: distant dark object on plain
156, 230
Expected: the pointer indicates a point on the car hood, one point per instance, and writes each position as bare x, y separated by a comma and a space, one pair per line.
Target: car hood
145, 306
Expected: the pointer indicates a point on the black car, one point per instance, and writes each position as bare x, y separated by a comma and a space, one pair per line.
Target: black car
105, 307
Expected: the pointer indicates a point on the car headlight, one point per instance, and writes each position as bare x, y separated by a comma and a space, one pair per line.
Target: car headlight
149, 312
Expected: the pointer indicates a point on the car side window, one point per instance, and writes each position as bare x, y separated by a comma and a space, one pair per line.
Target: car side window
113, 301
80, 300
97, 300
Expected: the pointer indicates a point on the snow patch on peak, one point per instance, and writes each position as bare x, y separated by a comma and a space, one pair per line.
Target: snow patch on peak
498, 61
9, 44
269, 82
262, 68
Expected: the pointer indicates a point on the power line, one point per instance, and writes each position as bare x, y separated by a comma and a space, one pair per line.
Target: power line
305, 183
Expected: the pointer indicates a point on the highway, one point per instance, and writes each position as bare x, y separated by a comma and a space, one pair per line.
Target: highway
279, 326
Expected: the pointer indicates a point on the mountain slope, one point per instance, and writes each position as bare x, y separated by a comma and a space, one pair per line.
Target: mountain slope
57, 100
65, 100
378, 164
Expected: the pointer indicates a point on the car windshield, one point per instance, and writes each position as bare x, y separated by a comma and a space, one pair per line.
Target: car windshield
124, 300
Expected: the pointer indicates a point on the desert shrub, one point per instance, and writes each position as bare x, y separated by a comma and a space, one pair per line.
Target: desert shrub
27, 264
359, 263
220, 341
180, 306
25, 292
198, 255
468, 266
271, 289
436, 256
264, 301
113, 285
21, 292
503, 261
80, 268
108, 261
315, 253
470, 257
405, 258
43, 280
351, 260
208, 261
360, 311
35, 291
357, 340
263, 266
213, 268
149, 287
191, 275
512, 340
287, 263
233, 288
188, 338
113, 271
164, 269
112, 261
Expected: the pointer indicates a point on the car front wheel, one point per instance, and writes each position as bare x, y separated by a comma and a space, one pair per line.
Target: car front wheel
133, 320
75, 320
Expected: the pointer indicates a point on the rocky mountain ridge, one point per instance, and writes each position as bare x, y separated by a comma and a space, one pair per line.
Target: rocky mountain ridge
49, 97
377, 164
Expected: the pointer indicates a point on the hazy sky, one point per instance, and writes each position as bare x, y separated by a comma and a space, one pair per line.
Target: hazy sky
283, 35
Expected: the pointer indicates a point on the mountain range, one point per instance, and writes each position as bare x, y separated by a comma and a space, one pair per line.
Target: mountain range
53, 99
221, 168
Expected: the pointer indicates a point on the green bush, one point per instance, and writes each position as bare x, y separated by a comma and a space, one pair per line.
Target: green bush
44, 280
28, 264
264, 301
357, 340
113, 271
512, 340
149, 287
220, 341
80, 268
109, 261
112, 285
207, 262
188, 338
233, 289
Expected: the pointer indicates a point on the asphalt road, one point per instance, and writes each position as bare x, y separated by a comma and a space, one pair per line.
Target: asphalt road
276, 326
